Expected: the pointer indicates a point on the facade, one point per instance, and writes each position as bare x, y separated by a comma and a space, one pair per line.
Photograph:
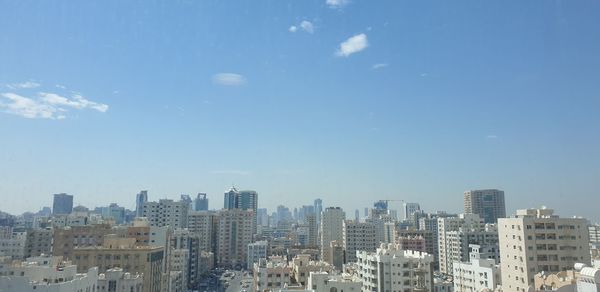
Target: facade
458, 244
318, 207
115, 280
271, 275
313, 230
429, 222
244, 200
451, 230
122, 253
234, 233
140, 199
202, 223
488, 204
324, 282
393, 269
409, 209
68, 238
62, 204
166, 213
201, 202
302, 266
476, 275
536, 240
358, 236
12, 244
416, 243
48, 274
256, 251
183, 239
38, 242
179, 260
332, 226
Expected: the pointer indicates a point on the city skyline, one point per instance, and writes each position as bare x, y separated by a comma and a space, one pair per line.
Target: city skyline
298, 100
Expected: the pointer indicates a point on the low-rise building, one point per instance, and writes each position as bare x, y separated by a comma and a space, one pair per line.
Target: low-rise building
115, 280
476, 275
302, 265
271, 274
256, 251
325, 282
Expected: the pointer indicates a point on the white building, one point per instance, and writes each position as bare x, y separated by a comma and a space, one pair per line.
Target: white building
179, 260
325, 282
48, 274
166, 213
449, 237
393, 269
588, 280
12, 244
476, 275
332, 226
536, 240
115, 280
358, 236
271, 275
256, 251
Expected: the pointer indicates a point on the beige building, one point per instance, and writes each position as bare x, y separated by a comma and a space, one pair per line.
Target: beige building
358, 236
537, 240
332, 226
115, 280
234, 233
66, 239
271, 275
38, 242
166, 213
123, 253
202, 223
302, 266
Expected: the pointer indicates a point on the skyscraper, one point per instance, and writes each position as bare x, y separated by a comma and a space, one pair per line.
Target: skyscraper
488, 204
318, 209
140, 199
409, 209
62, 204
244, 200
201, 202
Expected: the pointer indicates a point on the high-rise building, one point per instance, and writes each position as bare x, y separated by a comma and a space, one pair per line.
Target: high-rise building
166, 213
488, 204
537, 240
318, 207
202, 223
62, 204
393, 269
140, 199
188, 201
234, 233
446, 238
358, 236
313, 230
201, 202
409, 209
332, 226
244, 200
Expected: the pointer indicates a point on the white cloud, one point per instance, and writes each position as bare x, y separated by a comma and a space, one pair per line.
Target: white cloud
78, 102
26, 107
307, 26
229, 79
353, 45
336, 3
491, 137
23, 85
379, 66
45, 105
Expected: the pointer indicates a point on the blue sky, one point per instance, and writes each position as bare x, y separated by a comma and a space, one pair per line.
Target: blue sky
351, 101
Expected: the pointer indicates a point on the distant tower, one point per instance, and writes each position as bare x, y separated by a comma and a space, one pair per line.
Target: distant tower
410, 208
230, 198
140, 199
62, 204
488, 204
332, 226
356, 215
318, 209
201, 202
245, 200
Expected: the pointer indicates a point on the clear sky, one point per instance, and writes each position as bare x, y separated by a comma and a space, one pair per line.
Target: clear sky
351, 101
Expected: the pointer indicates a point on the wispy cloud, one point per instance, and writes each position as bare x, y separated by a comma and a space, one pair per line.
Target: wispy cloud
229, 79
379, 66
305, 25
23, 85
77, 101
491, 137
45, 105
353, 45
231, 172
337, 3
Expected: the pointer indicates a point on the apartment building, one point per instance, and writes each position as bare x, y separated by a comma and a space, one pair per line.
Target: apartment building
358, 236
